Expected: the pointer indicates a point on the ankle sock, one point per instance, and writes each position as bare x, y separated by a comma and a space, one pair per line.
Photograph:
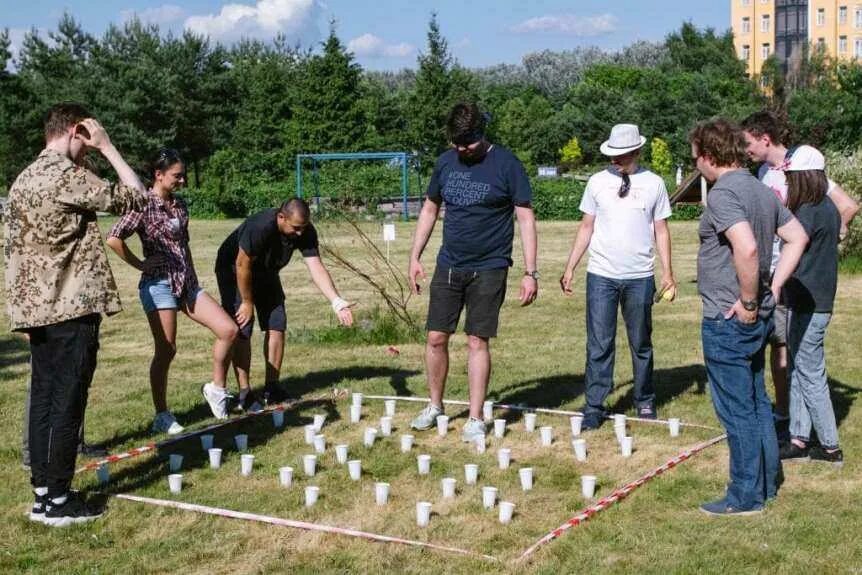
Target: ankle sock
40, 491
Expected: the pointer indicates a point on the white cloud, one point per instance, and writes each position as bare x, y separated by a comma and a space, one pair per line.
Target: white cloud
569, 24
16, 41
297, 20
163, 15
371, 46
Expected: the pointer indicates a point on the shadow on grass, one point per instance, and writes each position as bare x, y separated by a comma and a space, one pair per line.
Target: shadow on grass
843, 397
14, 350
669, 384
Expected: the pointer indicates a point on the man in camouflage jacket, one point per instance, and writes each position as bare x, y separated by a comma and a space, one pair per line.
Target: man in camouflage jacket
58, 283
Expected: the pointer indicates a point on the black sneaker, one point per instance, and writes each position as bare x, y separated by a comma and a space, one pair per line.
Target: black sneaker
789, 451
272, 394
37, 513
92, 451
647, 412
74, 510
817, 453
592, 421
250, 404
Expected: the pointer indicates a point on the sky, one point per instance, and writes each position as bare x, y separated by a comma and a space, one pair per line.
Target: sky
389, 34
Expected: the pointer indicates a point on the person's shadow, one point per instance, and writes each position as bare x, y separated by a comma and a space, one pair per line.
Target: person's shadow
13, 351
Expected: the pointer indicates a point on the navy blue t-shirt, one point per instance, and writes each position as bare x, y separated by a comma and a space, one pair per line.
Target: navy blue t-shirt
480, 200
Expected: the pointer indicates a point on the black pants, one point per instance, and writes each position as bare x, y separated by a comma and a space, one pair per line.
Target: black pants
63, 359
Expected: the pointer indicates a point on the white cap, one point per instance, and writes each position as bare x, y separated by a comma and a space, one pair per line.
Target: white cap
805, 158
624, 138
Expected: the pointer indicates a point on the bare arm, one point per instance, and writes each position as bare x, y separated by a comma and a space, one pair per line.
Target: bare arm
427, 219
795, 240
243, 283
847, 207
122, 250
744, 248
321, 278
662, 245
529, 244
579, 246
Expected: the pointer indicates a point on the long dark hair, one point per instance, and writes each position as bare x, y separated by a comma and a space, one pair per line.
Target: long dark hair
163, 160
805, 187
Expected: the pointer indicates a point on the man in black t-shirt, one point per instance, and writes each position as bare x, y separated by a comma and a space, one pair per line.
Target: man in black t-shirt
247, 268
482, 186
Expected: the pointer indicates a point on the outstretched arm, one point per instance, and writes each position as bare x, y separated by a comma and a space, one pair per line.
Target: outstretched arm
321, 278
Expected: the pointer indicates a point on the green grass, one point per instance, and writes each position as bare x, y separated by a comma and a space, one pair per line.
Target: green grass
815, 523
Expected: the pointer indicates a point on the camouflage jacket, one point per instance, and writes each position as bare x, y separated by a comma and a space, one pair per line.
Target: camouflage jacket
56, 266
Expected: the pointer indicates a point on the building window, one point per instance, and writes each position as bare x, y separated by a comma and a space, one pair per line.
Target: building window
746, 25
746, 2
746, 52
764, 23
857, 48
842, 44
858, 23
764, 50
842, 15
821, 17
821, 44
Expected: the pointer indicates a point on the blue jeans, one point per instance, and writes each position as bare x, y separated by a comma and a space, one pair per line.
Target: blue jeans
810, 403
604, 296
734, 356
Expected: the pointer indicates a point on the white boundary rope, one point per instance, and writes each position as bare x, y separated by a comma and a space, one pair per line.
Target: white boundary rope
299, 525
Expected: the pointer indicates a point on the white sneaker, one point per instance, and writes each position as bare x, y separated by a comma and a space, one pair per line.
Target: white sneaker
427, 418
472, 430
165, 422
217, 399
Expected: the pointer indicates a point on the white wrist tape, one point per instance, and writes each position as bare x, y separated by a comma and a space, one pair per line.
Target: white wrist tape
339, 304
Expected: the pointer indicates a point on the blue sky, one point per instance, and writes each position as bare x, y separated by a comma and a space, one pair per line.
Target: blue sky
387, 34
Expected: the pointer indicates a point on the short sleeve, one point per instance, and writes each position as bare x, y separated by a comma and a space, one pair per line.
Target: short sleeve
308, 243
126, 225
519, 184
784, 215
588, 200
84, 190
434, 193
725, 209
661, 209
253, 237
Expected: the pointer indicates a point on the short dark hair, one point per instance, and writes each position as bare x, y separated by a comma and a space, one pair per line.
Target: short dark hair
60, 117
163, 160
721, 141
296, 207
769, 123
805, 187
466, 123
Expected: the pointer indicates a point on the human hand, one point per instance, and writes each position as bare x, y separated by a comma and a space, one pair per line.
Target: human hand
91, 132
529, 290
415, 272
742, 314
244, 314
566, 281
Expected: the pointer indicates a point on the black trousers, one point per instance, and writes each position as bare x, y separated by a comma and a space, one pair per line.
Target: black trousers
63, 360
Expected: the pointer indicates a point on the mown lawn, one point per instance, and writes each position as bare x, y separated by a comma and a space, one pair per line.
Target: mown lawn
815, 524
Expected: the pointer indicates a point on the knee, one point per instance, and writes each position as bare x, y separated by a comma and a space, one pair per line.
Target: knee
476, 343
166, 350
437, 341
229, 333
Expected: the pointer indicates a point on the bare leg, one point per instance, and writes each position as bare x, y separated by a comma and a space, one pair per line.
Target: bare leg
778, 363
242, 361
273, 353
478, 372
163, 326
437, 365
209, 314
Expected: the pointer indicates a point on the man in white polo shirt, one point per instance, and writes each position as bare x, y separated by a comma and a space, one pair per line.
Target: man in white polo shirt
625, 210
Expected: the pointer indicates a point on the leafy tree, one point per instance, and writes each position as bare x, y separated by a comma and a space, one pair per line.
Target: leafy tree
571, 154
662, 161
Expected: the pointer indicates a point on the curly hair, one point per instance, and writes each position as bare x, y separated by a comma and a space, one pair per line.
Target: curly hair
721, 141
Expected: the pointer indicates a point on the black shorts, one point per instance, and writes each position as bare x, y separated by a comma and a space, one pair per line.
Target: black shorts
268, 301
482, 292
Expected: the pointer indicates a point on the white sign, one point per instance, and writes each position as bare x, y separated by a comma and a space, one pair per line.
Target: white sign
548, 171
388, 232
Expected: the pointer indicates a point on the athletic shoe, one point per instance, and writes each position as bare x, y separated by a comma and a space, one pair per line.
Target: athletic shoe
817, 453
782, 428
37, 513
74, 510
165, 422
789, 451
647, 412
427, 418
273, 393
92, 451
592, 421
473, 430
216, 398
250, 404
724, 509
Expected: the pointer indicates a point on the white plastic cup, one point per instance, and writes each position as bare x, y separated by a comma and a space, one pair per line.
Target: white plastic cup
319, 420
423, 462
207, 442
547, 435
369, 437
626, 446
489, 497
386, 426
175, 482
277, 418
310, 432
246, 463
355, 413
499, 428
507, 508
448, 486
673, 425
423, 513
442, 425
381, 493
488, 410
320, 443
406, 443
471, 473
588, 486
576, 421
580, 447
215, 457
312, 492
504, 457
341, 454
357, 399
620, 432
176, 462
481, 444
103, 474
526, 476
619, 419
309, 465
241, 442
389, 407
354, 467
285, 476
530, 422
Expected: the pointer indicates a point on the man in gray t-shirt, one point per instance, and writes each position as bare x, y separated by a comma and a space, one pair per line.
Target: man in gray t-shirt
736, 232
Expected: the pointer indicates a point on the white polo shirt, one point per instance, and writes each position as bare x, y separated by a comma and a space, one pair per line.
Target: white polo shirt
623, 235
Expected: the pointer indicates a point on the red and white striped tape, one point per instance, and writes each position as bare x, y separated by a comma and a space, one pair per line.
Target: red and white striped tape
299, 524
618, 494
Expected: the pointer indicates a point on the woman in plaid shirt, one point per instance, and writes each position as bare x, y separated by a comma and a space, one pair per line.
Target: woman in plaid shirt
168, 282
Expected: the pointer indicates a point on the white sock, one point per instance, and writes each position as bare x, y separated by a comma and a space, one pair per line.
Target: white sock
59, 500
243, 393
40, 491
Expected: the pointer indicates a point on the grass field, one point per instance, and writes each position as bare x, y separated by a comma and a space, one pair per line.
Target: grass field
814, 525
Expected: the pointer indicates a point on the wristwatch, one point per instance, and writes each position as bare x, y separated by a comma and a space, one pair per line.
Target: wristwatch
533, 274
749, 305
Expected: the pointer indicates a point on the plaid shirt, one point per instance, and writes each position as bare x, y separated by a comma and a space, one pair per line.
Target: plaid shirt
158, 236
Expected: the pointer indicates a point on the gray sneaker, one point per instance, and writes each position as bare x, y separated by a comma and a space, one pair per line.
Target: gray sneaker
472, 430
217, 399
427, 418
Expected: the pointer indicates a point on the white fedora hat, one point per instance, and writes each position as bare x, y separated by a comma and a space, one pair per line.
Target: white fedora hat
624, 138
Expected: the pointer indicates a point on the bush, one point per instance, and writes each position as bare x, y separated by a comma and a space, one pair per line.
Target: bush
376, 328
846, 170
557, 199
662, 161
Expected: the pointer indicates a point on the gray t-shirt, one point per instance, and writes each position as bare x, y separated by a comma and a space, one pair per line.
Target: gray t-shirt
736, 196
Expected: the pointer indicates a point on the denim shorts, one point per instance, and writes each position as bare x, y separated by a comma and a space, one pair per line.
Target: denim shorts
156, 294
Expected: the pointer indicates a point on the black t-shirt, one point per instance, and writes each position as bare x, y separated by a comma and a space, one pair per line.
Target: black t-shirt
480, 200
258, 236
812, 286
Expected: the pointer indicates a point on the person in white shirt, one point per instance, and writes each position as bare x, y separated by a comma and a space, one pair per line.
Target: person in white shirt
625, 209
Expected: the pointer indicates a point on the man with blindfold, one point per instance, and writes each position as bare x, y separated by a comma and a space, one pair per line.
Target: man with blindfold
625, 210
482, 185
